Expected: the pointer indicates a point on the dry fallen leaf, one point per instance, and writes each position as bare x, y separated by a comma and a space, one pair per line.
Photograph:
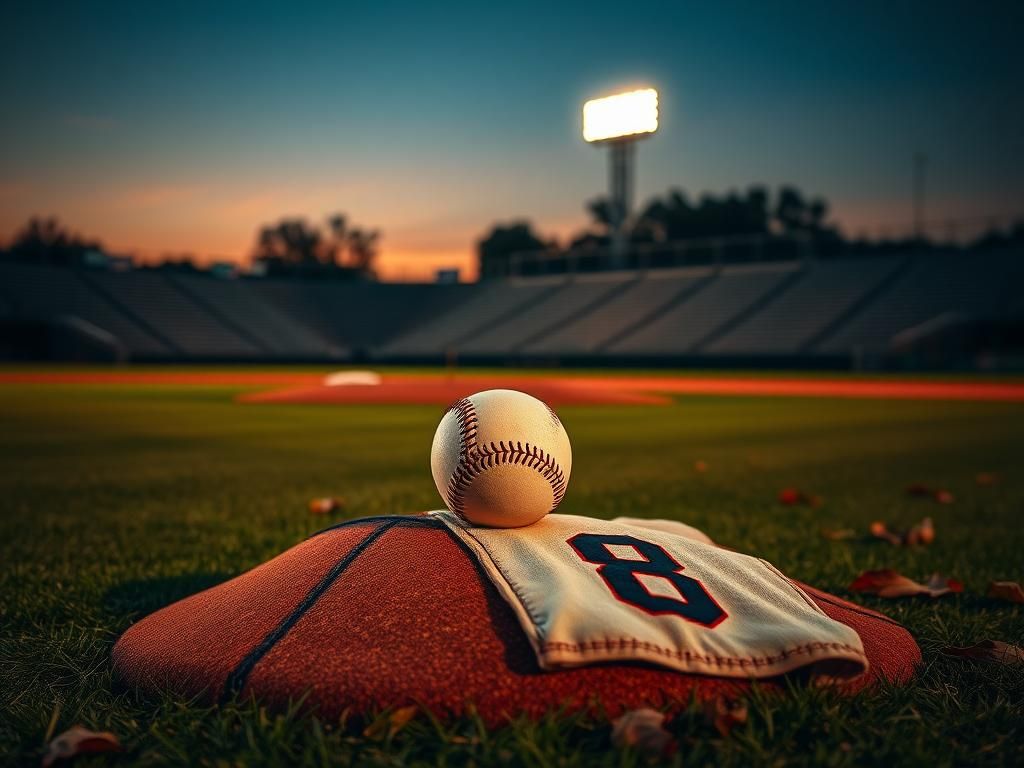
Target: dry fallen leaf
879, 530
838, 534
700, 466
939, 495
644, 730
921, 533
79, 741
791, 497
725, 714
1006, 590
386, 726
888, 583
325, 505
986, 478
989, 650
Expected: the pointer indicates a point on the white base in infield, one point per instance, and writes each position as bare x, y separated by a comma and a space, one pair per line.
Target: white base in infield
588, 591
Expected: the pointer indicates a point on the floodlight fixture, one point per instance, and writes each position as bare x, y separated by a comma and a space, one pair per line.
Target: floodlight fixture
619, 121
621, 116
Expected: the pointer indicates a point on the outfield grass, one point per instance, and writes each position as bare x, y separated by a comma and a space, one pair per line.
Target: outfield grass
117, 500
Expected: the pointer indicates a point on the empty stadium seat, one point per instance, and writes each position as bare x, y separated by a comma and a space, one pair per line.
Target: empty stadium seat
490, 303
683, 327
277, 333
361, 315
158, 303
620, 313
825, 291
934, 284
42, 292
573, 299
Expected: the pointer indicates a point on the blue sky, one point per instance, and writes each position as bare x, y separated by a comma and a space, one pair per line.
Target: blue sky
183, 127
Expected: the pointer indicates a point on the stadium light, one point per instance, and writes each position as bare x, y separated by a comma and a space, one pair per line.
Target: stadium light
619, 121
634, 113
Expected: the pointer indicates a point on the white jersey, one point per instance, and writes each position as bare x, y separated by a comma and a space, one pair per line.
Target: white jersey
588, 591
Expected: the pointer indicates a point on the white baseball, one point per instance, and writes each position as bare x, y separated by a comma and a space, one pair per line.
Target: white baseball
501, 458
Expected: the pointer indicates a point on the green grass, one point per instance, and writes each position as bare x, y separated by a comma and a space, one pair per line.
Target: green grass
117, 500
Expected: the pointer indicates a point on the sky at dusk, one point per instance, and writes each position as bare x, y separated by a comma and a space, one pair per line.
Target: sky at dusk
179, 127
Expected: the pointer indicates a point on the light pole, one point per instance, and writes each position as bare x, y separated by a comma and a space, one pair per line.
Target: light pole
620, 121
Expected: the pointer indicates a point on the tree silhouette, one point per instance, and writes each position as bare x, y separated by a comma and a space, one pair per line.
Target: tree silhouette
496, 249
47, 240
292, 245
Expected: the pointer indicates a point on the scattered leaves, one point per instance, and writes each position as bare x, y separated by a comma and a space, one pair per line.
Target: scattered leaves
79, 741
725, 714
792, 497
989, 650
643, 729
922, 533
386, 726
938, 495
325, 505
890, 584
879, 530
838, 534
1009, 591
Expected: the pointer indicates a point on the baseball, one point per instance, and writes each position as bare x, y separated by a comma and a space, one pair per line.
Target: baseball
501, 458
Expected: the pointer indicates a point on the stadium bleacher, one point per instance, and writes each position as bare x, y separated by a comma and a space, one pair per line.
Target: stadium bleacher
686, 325
155, 302
841, 309
640, 298
572, 299
41, 292
824, 292
491, 303
275, 331
929, 287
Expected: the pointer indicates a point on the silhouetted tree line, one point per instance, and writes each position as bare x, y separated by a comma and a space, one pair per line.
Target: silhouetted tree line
783, 224
674, 217
293, 246
46, 240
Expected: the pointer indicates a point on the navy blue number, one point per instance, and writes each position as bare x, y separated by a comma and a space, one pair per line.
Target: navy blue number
694, 603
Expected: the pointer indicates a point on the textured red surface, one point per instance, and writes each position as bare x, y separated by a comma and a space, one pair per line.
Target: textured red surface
412, 619
192, 645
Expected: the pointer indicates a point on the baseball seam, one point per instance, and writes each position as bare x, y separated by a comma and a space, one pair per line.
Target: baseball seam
476, 458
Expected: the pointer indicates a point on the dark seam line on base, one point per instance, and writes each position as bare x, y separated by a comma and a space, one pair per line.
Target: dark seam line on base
403, 519
238, 677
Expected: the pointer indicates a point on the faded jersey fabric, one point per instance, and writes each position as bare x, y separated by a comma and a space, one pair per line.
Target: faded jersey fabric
588, 591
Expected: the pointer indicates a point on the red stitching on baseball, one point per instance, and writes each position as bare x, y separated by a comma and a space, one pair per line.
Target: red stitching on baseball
475, 457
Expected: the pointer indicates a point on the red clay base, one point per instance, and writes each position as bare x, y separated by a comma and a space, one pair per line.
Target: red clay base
392, 611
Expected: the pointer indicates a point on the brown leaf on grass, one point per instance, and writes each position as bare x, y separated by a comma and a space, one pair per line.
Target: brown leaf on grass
79, 741
938, 495
986, 478
644, 730
1009, 591
700, 466
920, 534
325, 505
989, 650
386, 726
879, 530
838, 534
725, 714
792, 497
890, 584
